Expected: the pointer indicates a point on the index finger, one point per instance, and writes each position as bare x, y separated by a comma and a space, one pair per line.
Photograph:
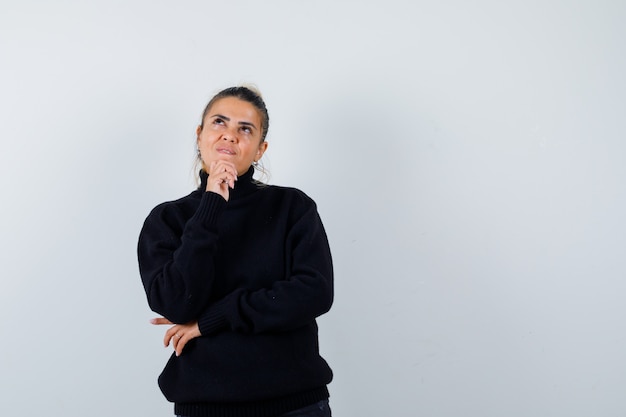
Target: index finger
160, 320
223, 166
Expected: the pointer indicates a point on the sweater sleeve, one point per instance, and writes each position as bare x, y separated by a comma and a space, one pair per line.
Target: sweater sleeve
177, 269
305, 294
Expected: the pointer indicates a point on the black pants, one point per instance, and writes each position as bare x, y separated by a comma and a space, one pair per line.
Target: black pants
320, 409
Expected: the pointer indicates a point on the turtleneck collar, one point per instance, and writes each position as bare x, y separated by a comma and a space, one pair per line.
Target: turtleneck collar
244, 185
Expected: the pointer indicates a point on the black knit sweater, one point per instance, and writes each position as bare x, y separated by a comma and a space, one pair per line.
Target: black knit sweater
254, 272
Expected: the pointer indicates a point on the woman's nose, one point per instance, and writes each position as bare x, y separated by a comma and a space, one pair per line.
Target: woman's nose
230, 137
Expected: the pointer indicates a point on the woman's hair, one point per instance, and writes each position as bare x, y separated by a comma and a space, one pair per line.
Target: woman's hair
248, 94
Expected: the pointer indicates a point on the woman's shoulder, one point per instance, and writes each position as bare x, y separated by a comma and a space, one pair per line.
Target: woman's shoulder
293, 197
287, 191
180, 207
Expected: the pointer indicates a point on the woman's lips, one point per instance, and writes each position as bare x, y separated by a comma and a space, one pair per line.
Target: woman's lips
225, 151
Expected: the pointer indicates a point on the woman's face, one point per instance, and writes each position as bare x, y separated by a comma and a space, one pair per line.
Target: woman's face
231, 132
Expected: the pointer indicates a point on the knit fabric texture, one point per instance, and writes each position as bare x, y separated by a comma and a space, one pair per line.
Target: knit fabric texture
254, 272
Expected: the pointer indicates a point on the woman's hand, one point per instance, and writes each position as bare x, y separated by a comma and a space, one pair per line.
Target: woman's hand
178, 334
222, 175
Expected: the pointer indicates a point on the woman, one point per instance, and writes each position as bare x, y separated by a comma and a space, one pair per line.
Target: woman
240, 270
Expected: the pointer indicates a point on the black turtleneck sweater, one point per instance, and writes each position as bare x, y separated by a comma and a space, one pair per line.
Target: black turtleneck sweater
254, 272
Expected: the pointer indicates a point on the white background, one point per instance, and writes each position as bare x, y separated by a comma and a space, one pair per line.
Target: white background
467, 159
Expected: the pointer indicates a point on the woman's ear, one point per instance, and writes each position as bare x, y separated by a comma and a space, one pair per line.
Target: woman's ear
259, 153
198, 131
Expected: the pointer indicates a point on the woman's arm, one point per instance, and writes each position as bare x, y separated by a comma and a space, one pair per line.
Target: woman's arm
287, 304
176, 258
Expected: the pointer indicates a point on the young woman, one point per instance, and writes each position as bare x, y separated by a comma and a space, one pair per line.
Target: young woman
239, 270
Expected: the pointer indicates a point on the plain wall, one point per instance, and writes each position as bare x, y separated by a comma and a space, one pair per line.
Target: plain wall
467, 159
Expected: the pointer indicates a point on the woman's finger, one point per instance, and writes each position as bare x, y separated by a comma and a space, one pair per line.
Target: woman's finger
223, 171
160, 320
180, 345
176, 340
169, 335
179, 334
191, 331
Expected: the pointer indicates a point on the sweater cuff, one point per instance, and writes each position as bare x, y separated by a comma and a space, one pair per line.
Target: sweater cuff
211, 205
214, 318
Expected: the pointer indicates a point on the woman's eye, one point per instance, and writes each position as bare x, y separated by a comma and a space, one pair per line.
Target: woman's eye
218, 121
246, 129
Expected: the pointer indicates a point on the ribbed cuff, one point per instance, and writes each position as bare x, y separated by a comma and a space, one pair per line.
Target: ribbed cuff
214, 318
211, 206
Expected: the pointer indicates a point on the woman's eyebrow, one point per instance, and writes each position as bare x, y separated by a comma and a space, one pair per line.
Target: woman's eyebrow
248, 124
222, 117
